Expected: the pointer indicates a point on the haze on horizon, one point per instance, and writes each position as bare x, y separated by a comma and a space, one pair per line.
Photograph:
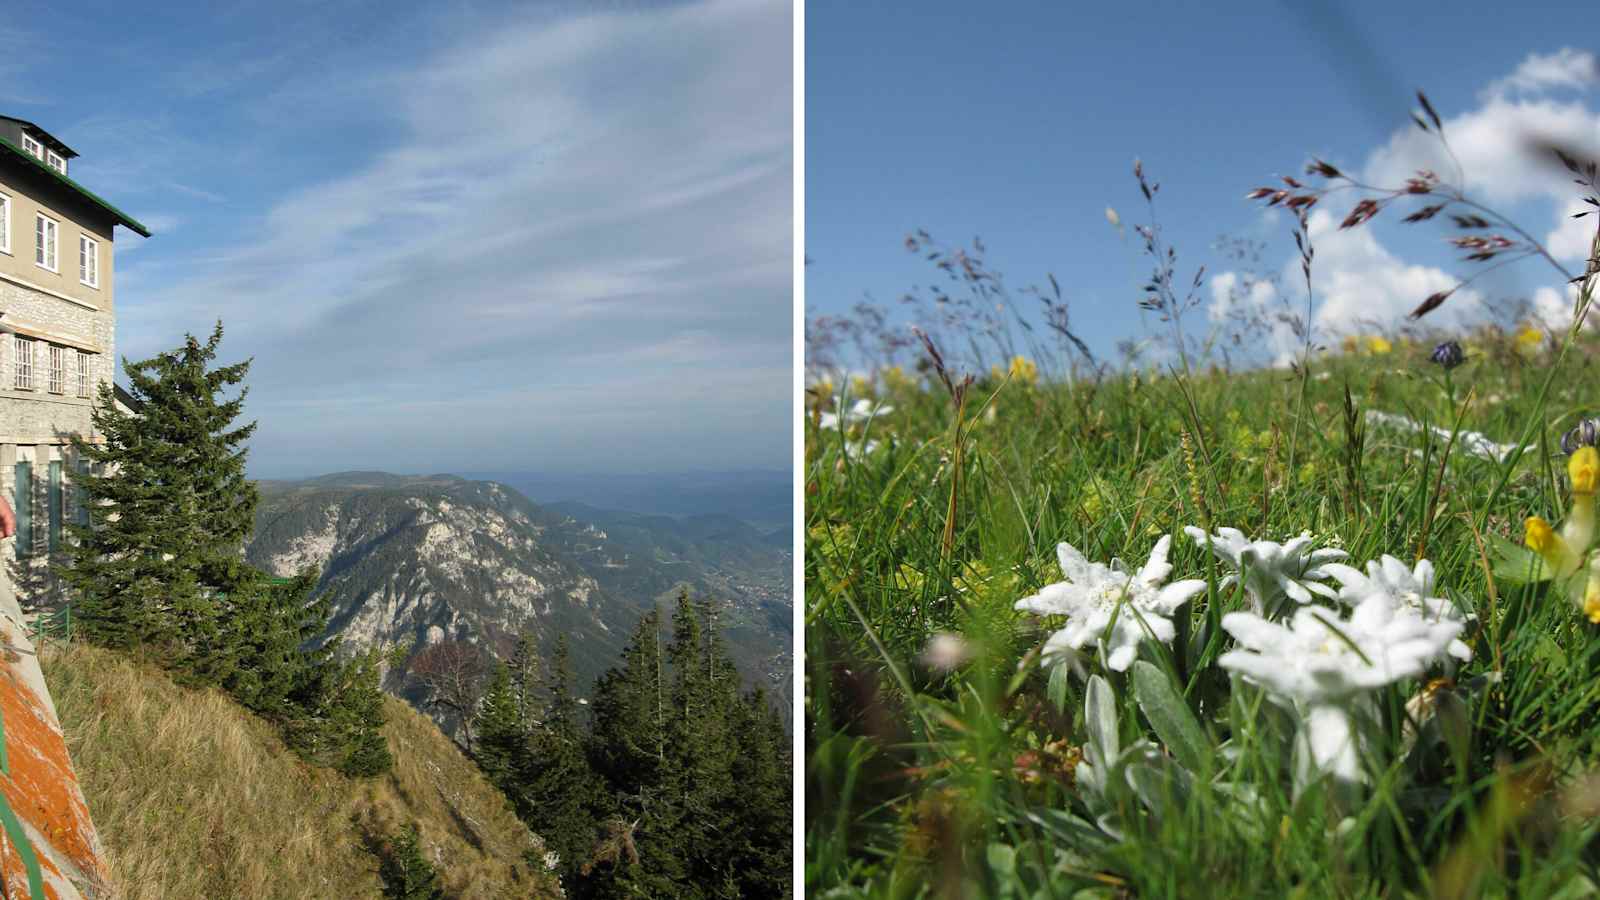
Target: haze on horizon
491, 237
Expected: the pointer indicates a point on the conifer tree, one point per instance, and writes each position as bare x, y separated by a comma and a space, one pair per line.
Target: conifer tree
525, 678
170, 508
628, 736
501, 733
558, 785
352, 707
760, 849
406, 873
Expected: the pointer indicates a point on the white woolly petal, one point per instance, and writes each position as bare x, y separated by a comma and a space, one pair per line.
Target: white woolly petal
1157, 568
1395, 572
1296, 591
1177, 593
1259, 669
1346, 576
1121, 658
1073, 564
1254, 631
1424, 576
1332, 741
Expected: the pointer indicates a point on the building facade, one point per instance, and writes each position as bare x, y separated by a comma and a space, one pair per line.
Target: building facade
57, 341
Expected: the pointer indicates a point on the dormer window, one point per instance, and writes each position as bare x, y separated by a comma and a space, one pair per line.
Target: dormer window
54, 161
30, 145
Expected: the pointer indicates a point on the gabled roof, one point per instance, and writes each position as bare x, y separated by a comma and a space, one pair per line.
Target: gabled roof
121, 217
126, 399
45, 137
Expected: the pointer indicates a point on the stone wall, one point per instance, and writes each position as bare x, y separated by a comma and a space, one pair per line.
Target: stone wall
36, 425
38, 416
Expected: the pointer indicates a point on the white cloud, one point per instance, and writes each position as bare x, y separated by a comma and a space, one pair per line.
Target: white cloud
1565, 68
1501, 150
1362, 285
1572, 238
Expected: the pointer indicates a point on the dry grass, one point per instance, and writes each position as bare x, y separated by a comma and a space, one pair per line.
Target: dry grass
194, 797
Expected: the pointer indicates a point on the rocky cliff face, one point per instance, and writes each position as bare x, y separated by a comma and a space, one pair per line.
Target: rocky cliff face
418, 561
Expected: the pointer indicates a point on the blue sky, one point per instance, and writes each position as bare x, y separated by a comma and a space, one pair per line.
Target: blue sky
1021, 127
453, 236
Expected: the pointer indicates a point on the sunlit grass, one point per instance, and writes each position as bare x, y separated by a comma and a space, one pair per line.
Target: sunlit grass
924, 781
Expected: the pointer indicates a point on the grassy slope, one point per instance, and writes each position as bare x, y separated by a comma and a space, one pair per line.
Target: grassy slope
194, 797
968, 779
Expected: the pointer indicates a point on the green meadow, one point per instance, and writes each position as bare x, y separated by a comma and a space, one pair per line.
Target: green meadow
954, 750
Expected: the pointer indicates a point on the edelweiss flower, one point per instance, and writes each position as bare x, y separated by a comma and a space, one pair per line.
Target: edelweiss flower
1322, 666
1096, 596
1406, 589
1271, 570
860, 412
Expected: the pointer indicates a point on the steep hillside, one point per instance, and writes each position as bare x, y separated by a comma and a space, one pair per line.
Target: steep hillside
419, 560
194, 797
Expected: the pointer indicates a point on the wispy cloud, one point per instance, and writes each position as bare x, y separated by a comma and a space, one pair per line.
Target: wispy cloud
573, 240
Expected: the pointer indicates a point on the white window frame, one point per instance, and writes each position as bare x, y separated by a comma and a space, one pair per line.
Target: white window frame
58, 369
88, 261
55, 161
85, 374
5, 223
30, 144
23, 368
46, 257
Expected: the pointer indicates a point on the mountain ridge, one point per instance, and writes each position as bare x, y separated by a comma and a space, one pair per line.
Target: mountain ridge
423, 560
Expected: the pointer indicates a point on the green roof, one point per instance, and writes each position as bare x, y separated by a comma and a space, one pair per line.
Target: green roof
121, 217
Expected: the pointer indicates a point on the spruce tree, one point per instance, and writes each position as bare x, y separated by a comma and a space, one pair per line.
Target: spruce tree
169, 507
405, 872
353, 709
558, 786
760, 846
525, 678
627, 741
501, 733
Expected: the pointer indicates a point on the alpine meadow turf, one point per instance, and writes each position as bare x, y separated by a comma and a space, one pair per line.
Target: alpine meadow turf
950, 755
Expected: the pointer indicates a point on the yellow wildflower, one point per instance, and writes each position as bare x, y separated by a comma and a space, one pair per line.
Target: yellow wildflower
1021, 369
1378, 344
1591, 592
1584, 470
1557, 554
1529, 338
895, 378
860, 386
1351, 345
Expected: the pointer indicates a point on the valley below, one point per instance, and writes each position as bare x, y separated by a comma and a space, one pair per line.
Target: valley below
413, 562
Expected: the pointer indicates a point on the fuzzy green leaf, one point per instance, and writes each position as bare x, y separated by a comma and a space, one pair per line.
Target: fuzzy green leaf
1170, 716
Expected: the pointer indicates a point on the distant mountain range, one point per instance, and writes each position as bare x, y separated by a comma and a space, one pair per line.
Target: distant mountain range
421, 559
765, 499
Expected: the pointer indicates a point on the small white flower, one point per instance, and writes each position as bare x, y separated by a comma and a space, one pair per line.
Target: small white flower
859, 450
946, 652
1094, 594
1406, 589
1323, 666
861, 411
1272, 571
